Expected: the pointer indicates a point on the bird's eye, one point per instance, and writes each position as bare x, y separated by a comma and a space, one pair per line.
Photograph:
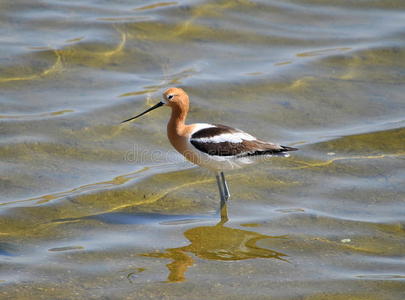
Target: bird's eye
170, 97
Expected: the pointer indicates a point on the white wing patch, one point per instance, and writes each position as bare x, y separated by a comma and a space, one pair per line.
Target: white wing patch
236, 137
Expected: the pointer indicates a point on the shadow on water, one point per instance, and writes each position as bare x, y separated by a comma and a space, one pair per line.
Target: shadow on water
209, 242
6, 249
216, 242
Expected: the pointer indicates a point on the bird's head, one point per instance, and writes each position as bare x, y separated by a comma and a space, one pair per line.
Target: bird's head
173, 97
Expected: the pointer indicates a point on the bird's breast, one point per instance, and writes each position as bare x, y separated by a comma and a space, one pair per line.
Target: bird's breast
181, 142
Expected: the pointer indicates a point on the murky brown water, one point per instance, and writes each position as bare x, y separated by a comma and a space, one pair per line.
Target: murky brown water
90, 208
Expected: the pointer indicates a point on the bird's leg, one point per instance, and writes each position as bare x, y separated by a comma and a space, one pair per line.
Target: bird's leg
225, 185
222, 209
220, 187
223, 213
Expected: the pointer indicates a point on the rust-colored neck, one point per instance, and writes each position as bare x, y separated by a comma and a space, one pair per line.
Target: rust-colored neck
176, 126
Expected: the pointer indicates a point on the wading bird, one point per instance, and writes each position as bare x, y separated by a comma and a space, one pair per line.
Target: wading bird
213, 146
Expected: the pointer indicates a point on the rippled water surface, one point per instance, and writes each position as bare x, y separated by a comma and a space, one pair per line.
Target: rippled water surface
90, 208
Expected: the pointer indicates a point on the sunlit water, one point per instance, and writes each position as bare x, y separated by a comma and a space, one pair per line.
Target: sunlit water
92, 208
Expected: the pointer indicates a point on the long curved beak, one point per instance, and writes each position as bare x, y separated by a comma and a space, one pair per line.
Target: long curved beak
146, 111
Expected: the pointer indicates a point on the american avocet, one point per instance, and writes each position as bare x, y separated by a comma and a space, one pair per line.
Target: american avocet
213, 146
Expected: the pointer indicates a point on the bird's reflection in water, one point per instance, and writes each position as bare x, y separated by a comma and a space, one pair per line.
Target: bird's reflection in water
215, 243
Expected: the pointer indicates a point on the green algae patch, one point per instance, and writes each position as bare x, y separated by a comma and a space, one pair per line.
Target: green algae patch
380, 142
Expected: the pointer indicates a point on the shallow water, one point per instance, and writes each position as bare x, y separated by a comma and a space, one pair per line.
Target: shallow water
90, 208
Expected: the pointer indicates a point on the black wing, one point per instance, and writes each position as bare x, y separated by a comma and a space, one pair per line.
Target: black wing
206, 140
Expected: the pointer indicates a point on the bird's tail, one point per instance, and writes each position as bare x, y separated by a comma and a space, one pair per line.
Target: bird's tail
286, 148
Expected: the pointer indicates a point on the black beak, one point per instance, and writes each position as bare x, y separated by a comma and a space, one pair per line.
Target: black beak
146, 111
